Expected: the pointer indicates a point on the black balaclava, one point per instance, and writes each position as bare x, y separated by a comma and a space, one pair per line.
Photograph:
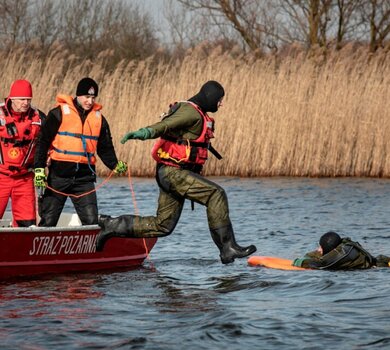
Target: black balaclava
329, 241
209, 96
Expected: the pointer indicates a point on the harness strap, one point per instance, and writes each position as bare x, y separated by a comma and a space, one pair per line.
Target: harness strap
78, 135
365, 252
185, 141
84, 139
214, 152
207, 145
16, 143
87, 154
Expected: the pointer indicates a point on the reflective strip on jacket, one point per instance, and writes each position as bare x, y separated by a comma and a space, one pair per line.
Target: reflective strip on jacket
18, 140
178, 151
75, 141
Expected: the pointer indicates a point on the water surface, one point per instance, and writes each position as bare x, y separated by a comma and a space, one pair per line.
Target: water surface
184, 298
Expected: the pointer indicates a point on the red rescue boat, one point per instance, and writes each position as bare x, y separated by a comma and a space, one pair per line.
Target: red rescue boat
69, 247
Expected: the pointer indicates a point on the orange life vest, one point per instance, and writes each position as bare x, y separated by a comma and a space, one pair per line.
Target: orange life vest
75, 141
179, 151
17, 151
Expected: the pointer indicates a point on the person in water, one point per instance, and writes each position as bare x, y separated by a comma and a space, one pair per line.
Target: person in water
180, 152
337, 253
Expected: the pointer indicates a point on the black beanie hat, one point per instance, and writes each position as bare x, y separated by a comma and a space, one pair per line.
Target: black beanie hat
209, 96
87, 86
329, 241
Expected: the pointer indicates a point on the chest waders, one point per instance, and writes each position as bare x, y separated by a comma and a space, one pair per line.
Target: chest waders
168, 214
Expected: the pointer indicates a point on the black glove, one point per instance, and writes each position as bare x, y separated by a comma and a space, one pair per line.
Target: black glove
11, 129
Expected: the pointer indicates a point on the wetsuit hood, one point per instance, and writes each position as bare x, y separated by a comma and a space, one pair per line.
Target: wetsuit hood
209, 96
329, 241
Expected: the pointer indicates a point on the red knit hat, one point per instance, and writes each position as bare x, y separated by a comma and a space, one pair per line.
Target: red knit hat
20, 89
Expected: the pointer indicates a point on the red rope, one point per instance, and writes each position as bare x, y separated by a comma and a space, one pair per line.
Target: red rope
136, 208
85, 193
101, 185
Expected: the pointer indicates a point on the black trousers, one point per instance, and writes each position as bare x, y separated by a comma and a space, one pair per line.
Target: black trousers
51, 204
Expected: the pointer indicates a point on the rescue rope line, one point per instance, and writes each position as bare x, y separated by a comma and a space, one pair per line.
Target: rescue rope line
136, 212
136, 207
85, 193
101, 185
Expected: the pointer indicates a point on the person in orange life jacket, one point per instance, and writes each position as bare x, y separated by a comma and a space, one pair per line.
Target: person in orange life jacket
185, 134
19, 127
73, 133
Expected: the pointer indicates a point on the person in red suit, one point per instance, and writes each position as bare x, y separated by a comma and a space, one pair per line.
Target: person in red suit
20, 124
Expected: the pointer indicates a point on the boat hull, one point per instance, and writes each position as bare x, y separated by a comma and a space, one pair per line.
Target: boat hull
51, 250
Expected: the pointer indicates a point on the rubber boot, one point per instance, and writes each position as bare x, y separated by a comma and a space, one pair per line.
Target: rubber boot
224, 238
121, 226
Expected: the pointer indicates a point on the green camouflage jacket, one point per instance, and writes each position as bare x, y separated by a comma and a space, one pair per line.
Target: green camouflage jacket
347, 255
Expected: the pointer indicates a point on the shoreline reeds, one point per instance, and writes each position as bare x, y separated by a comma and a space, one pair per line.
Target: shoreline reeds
298, 116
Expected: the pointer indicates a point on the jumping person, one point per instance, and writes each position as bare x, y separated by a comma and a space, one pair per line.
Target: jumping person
74, 132
181, 151
19, 127
336, 253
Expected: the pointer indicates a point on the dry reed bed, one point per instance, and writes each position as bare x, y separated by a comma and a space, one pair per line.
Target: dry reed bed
294, 117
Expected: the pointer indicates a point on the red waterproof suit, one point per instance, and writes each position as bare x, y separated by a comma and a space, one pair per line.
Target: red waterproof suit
18, 134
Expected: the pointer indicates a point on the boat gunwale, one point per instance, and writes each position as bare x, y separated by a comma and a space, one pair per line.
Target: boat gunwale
54, 229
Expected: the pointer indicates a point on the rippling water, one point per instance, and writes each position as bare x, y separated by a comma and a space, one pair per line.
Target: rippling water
184, 298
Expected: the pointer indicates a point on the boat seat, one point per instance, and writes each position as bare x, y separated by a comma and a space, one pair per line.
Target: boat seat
68, 219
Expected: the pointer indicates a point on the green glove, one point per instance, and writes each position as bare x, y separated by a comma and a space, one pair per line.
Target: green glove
298, 262
141, 134
120, 168
39, 178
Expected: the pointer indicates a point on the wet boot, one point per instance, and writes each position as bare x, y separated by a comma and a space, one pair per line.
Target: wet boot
121, 226
224, 238
382, 261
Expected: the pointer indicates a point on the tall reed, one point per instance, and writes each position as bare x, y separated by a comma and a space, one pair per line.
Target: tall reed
290, 117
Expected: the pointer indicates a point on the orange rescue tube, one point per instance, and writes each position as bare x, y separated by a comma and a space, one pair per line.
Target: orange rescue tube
273, 262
